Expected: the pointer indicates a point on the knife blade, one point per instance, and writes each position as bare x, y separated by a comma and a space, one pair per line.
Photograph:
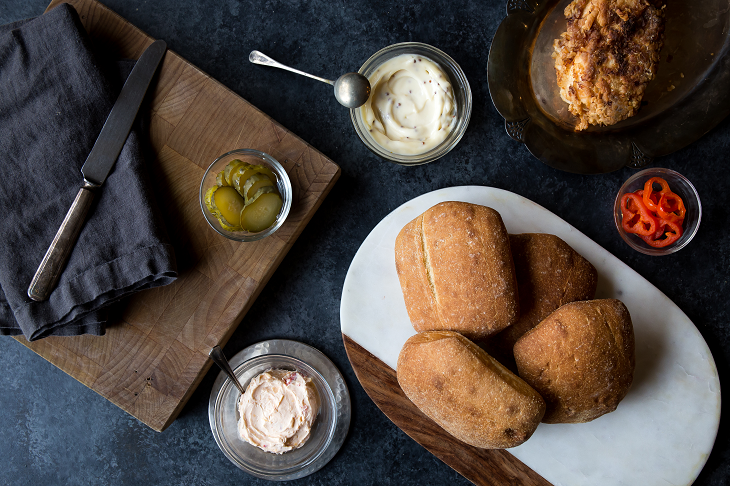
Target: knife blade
97, 167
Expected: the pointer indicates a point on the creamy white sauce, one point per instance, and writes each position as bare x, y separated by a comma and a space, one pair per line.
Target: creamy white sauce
411, 109
277, 411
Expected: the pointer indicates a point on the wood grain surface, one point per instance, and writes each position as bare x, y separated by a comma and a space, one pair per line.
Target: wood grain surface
156, 352
483, 467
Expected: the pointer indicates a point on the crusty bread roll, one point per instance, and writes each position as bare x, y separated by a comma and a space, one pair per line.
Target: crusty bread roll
549, 274
456, 271
467, 392
580, 359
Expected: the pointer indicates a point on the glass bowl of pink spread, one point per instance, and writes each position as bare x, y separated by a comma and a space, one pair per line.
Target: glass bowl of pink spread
331, 416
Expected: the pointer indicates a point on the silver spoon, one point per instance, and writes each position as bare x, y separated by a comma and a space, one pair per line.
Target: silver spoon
220, 359
351, 89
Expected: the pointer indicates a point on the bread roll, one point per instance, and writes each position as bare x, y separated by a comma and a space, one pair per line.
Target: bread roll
580, 359
468, 393
456, 271
549, 274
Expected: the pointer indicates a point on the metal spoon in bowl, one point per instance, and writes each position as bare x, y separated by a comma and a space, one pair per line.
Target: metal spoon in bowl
351, 89
220, 359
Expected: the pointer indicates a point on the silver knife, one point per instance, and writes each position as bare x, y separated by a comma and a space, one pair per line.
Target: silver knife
98, 164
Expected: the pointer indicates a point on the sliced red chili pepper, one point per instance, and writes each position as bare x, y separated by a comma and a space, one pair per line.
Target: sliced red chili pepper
654, 196
651, 199
671, 207
659, 229
672, 232
635, 217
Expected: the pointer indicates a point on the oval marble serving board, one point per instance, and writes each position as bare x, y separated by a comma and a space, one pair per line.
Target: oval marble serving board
661, 433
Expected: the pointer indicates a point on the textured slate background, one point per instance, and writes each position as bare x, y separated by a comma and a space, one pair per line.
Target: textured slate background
56, 431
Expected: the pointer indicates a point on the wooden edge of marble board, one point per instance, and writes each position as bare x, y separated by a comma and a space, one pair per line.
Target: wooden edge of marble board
483, 467
154, 354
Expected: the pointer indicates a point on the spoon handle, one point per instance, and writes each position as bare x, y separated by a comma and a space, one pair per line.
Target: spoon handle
257, 57
219, 358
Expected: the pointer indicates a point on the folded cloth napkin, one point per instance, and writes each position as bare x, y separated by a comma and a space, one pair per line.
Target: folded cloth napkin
54, 99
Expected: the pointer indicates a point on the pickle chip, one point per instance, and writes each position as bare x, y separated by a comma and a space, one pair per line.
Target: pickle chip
245, 186
252, 192
260, 192
220, 179
232, 166
267, 172
261, 213
225, 204
240, 176
229, 203
208, 199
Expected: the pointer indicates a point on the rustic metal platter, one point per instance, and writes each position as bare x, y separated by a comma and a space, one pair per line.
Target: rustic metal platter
688, 97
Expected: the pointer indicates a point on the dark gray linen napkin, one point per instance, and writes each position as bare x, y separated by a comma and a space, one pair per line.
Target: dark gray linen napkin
54, 99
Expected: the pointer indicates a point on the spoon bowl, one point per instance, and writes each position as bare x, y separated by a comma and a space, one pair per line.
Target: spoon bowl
352, 90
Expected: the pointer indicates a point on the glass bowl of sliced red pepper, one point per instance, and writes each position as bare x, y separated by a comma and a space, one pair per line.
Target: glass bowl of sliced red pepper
657, 211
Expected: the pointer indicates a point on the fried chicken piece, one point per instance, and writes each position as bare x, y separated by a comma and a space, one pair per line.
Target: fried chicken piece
607, 57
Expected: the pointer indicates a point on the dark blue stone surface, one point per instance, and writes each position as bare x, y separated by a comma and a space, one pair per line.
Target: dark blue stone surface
56, 431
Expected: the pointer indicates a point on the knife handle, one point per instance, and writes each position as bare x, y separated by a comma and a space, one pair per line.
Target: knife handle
46, 277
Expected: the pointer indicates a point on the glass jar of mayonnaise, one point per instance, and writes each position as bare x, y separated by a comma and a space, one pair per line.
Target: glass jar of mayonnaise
419, 107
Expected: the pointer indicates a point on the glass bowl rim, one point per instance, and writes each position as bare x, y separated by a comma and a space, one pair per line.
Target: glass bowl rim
326, 391
648, 173
286, 196
338, 401
464, 116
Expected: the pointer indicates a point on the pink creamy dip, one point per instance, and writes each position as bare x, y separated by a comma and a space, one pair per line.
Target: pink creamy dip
277, 411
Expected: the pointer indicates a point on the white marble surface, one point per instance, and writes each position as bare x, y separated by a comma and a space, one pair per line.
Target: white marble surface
661, 433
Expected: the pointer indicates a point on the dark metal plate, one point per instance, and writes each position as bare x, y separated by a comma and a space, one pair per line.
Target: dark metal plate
688, 97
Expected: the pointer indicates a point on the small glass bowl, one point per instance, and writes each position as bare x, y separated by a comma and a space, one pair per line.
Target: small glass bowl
679, 185
462, 95
253, 157
328, 431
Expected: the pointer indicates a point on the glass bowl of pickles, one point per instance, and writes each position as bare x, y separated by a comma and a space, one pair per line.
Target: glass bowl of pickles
245, 195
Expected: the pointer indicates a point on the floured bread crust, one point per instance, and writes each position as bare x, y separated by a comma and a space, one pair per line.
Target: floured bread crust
456, 270
549, 274
580, 359
467, 392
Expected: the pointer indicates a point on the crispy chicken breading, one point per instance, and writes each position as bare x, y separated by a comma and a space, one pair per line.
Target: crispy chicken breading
607, 57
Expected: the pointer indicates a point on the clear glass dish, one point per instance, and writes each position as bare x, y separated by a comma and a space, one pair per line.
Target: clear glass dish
253, 157
679, 185
328, 431
462, 95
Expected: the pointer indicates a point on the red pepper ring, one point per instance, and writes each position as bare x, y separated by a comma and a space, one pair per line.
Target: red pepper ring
672, 207
654, 196
635, 217
651, 199
672, 232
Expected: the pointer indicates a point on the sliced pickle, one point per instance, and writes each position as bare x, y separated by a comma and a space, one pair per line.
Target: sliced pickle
240, 178
211, 205
209, 201
261, 213
226, 205
256, 186
267, 172
263, 190
220, 179
232, 166
245, 186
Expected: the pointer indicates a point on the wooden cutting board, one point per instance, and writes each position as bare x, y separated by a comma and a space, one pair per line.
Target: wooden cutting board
156, 353
662, 432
